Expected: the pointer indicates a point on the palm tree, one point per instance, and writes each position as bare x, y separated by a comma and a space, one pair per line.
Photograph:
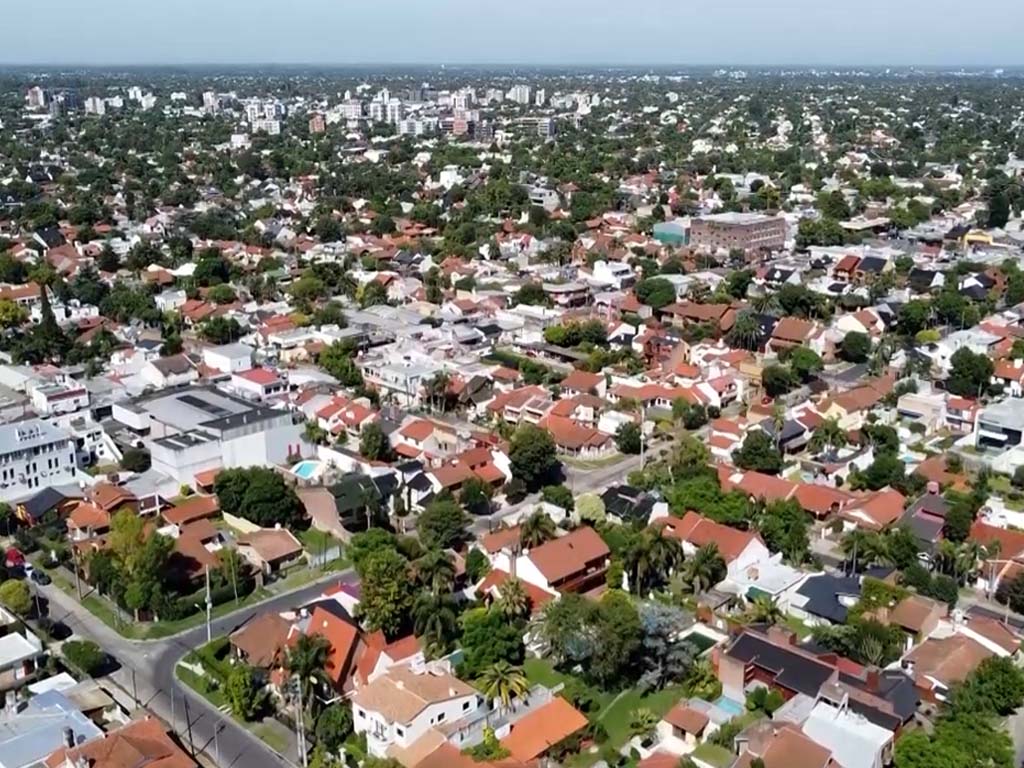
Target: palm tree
437, 389
305, 661
745, 332
514, 603
535, 530
945, 556
435, 620
653, 559
502, 682
642, 722
828, 435
763, 302
435, 571
968, 555
871, 651
705, 569
764, 610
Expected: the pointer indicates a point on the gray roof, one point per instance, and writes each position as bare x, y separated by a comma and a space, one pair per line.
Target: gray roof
29, 434
38, 730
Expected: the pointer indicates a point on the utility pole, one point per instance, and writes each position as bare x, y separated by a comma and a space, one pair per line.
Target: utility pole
643, 440
78, 576
300, 726
209, 609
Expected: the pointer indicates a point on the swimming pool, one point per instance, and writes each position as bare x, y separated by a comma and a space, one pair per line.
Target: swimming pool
306, 469
730, 707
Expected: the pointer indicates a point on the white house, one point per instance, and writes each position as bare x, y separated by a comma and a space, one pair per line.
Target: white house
400, 706
229, 358
34, 455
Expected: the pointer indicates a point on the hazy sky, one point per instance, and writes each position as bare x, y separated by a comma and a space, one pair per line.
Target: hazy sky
866, 32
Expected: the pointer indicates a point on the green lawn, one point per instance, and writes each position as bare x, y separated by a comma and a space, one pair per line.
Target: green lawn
615, 715
316, 541
201, 686
104, 610
271, 736
713, 755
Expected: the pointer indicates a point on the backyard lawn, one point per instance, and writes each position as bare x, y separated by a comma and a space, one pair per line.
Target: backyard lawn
614, 710
712, 754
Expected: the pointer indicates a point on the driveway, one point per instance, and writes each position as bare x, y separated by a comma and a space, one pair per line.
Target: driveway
147, 674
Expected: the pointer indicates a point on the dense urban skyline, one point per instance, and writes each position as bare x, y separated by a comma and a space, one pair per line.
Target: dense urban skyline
738, 32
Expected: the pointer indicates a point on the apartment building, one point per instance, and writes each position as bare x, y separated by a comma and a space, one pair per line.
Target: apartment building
34, 455
745, 231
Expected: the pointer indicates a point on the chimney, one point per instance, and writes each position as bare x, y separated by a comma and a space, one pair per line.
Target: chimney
933, 488
873, 678
69, 738
400, 684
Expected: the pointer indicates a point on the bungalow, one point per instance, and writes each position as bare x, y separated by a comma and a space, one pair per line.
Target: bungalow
575, 562
791, 332
875, 511
531, 736
577, 440
683, 728
739, 549
270, 550
583, 383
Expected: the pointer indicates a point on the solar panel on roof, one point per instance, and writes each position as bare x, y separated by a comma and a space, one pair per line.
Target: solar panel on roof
206, 407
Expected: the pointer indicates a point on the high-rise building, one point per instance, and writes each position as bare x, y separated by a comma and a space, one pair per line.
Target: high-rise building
541, 97
520, 94
211, 101
352, 109
394, 111
36, 98
94, 105
317, 123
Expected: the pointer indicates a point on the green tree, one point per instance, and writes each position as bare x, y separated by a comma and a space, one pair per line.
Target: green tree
533, 456
306, 661
15, 597
11, 314
804, 363
259, 495
536, 529
221, 330
758, 452
855, 347
558, 495
242, 692
435, 571
514, 602
442, 524
487, 638
628, 438
655, 292
704, 569
339, 361
333, 726
387, 592
435, 622
503, 683
373, 443
135, 460
969, 373
777, 379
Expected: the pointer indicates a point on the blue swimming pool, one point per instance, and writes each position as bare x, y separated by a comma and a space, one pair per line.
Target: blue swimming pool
730, 707
306, 469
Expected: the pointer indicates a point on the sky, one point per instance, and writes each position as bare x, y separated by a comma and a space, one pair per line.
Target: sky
552, 32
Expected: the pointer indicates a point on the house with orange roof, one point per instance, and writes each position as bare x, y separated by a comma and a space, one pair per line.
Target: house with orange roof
142, 743
791, 332
342, 415
875, 511
583, 383
1010, 373
740, 549
575, 562
531, 736
342, 638
574, 439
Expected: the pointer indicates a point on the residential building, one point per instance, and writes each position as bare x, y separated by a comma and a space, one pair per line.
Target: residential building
744, 231
401, 705
34, 454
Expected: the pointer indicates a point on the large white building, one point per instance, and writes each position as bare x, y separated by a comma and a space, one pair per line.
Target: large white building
194, 429
403, 704
34, 455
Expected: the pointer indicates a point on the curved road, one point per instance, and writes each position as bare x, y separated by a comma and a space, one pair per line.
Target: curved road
147, 672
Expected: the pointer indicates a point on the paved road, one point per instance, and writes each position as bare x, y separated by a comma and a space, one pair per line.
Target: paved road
147, 672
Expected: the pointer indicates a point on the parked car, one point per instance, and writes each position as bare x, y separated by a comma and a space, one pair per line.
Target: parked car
40, 577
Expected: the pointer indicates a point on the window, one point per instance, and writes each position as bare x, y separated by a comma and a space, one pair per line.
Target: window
440, 717
465, 706
361, 713
400, 732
